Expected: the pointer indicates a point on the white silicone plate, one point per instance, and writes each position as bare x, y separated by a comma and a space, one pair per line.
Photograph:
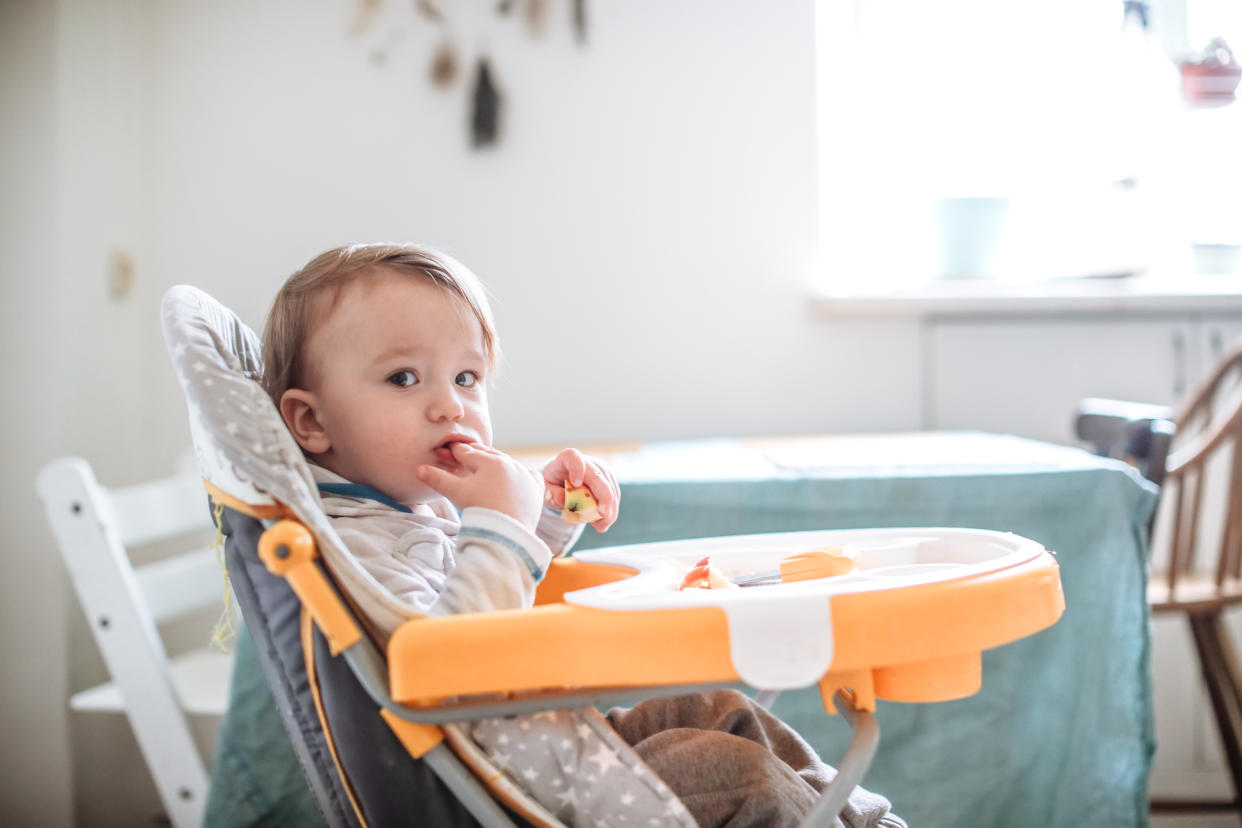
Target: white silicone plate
780, 635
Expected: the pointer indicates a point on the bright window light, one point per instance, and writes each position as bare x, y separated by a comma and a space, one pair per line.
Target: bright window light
1014, 141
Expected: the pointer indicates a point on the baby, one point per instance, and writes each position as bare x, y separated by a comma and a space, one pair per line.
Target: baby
379, 358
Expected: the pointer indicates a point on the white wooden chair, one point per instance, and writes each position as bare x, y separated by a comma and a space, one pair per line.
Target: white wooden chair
95, 529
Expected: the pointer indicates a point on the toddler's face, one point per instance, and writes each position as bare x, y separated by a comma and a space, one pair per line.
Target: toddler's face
397, 370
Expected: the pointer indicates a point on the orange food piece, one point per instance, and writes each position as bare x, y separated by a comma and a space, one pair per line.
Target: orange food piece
824, 562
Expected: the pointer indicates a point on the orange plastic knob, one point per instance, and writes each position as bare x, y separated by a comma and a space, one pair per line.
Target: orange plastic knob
286, 545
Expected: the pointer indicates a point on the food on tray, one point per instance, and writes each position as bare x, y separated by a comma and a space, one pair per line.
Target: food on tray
705, 576
580, 505
823, 562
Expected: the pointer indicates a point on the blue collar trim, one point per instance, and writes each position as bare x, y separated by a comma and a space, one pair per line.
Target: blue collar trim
365, 492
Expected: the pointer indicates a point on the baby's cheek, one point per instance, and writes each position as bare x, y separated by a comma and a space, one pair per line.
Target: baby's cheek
482, 423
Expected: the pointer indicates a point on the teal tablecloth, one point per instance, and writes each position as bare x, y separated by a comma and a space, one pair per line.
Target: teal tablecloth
1060, 733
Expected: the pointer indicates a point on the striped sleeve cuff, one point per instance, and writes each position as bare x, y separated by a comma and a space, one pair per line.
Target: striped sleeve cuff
497, 528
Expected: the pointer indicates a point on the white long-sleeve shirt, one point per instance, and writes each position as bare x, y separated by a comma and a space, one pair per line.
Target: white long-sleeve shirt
443, 564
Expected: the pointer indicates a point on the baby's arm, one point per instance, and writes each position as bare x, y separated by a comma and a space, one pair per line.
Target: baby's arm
552, 530
556, 533
499, 559
493, 562
499, 563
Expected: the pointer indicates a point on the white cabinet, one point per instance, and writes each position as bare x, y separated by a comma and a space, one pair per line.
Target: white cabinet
1219, 331
1025, 376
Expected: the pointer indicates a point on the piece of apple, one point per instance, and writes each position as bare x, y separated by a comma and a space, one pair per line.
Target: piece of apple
580, 505
705, 576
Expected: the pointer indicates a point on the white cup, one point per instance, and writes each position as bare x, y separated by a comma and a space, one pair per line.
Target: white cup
968, 232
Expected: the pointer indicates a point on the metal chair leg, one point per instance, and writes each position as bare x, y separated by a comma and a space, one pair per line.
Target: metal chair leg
852, 767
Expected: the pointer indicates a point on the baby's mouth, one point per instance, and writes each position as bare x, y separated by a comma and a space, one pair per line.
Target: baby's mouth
444, 452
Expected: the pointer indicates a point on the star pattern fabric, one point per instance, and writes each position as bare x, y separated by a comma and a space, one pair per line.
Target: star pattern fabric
581, 770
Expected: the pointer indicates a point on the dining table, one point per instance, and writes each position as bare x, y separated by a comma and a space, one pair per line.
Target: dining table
1060, 732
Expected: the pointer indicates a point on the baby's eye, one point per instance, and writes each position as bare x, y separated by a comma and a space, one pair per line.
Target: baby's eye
467, 379
404, 379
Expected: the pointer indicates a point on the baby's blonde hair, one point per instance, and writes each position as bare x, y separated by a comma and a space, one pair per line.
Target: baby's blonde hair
295, 308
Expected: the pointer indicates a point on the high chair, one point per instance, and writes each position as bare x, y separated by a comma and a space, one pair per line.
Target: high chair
96, 528
1196, 536
372, 692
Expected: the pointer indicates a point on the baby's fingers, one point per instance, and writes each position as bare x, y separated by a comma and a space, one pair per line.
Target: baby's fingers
470, 455
569, 465
555, 494
444, 482
607, 494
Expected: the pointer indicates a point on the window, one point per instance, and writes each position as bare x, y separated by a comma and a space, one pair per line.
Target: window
1019, 141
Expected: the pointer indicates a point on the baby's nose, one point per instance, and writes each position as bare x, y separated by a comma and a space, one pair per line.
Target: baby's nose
446, 406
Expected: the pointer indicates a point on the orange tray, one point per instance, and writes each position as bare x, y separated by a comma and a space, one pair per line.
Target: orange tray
909, 625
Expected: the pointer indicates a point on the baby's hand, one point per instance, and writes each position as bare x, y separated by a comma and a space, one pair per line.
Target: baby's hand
489, 478
581, 470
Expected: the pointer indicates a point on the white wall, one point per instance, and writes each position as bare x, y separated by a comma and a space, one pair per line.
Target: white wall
33, 772
646, 224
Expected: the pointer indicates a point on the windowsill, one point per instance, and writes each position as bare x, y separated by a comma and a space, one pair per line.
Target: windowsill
964, 297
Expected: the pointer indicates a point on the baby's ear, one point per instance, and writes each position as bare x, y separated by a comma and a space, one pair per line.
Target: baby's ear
299, 409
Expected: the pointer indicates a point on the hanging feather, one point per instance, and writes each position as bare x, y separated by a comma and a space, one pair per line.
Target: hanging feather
444, 64
536, 16
485, 115
429, 10
364, 15
580, 20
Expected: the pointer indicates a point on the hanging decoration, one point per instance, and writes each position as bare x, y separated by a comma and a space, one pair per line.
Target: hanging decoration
364, 16
487, 101
580, 20
485, 109
444, 64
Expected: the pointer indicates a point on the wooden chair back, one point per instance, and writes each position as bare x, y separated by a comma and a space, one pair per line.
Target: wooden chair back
1199, 524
